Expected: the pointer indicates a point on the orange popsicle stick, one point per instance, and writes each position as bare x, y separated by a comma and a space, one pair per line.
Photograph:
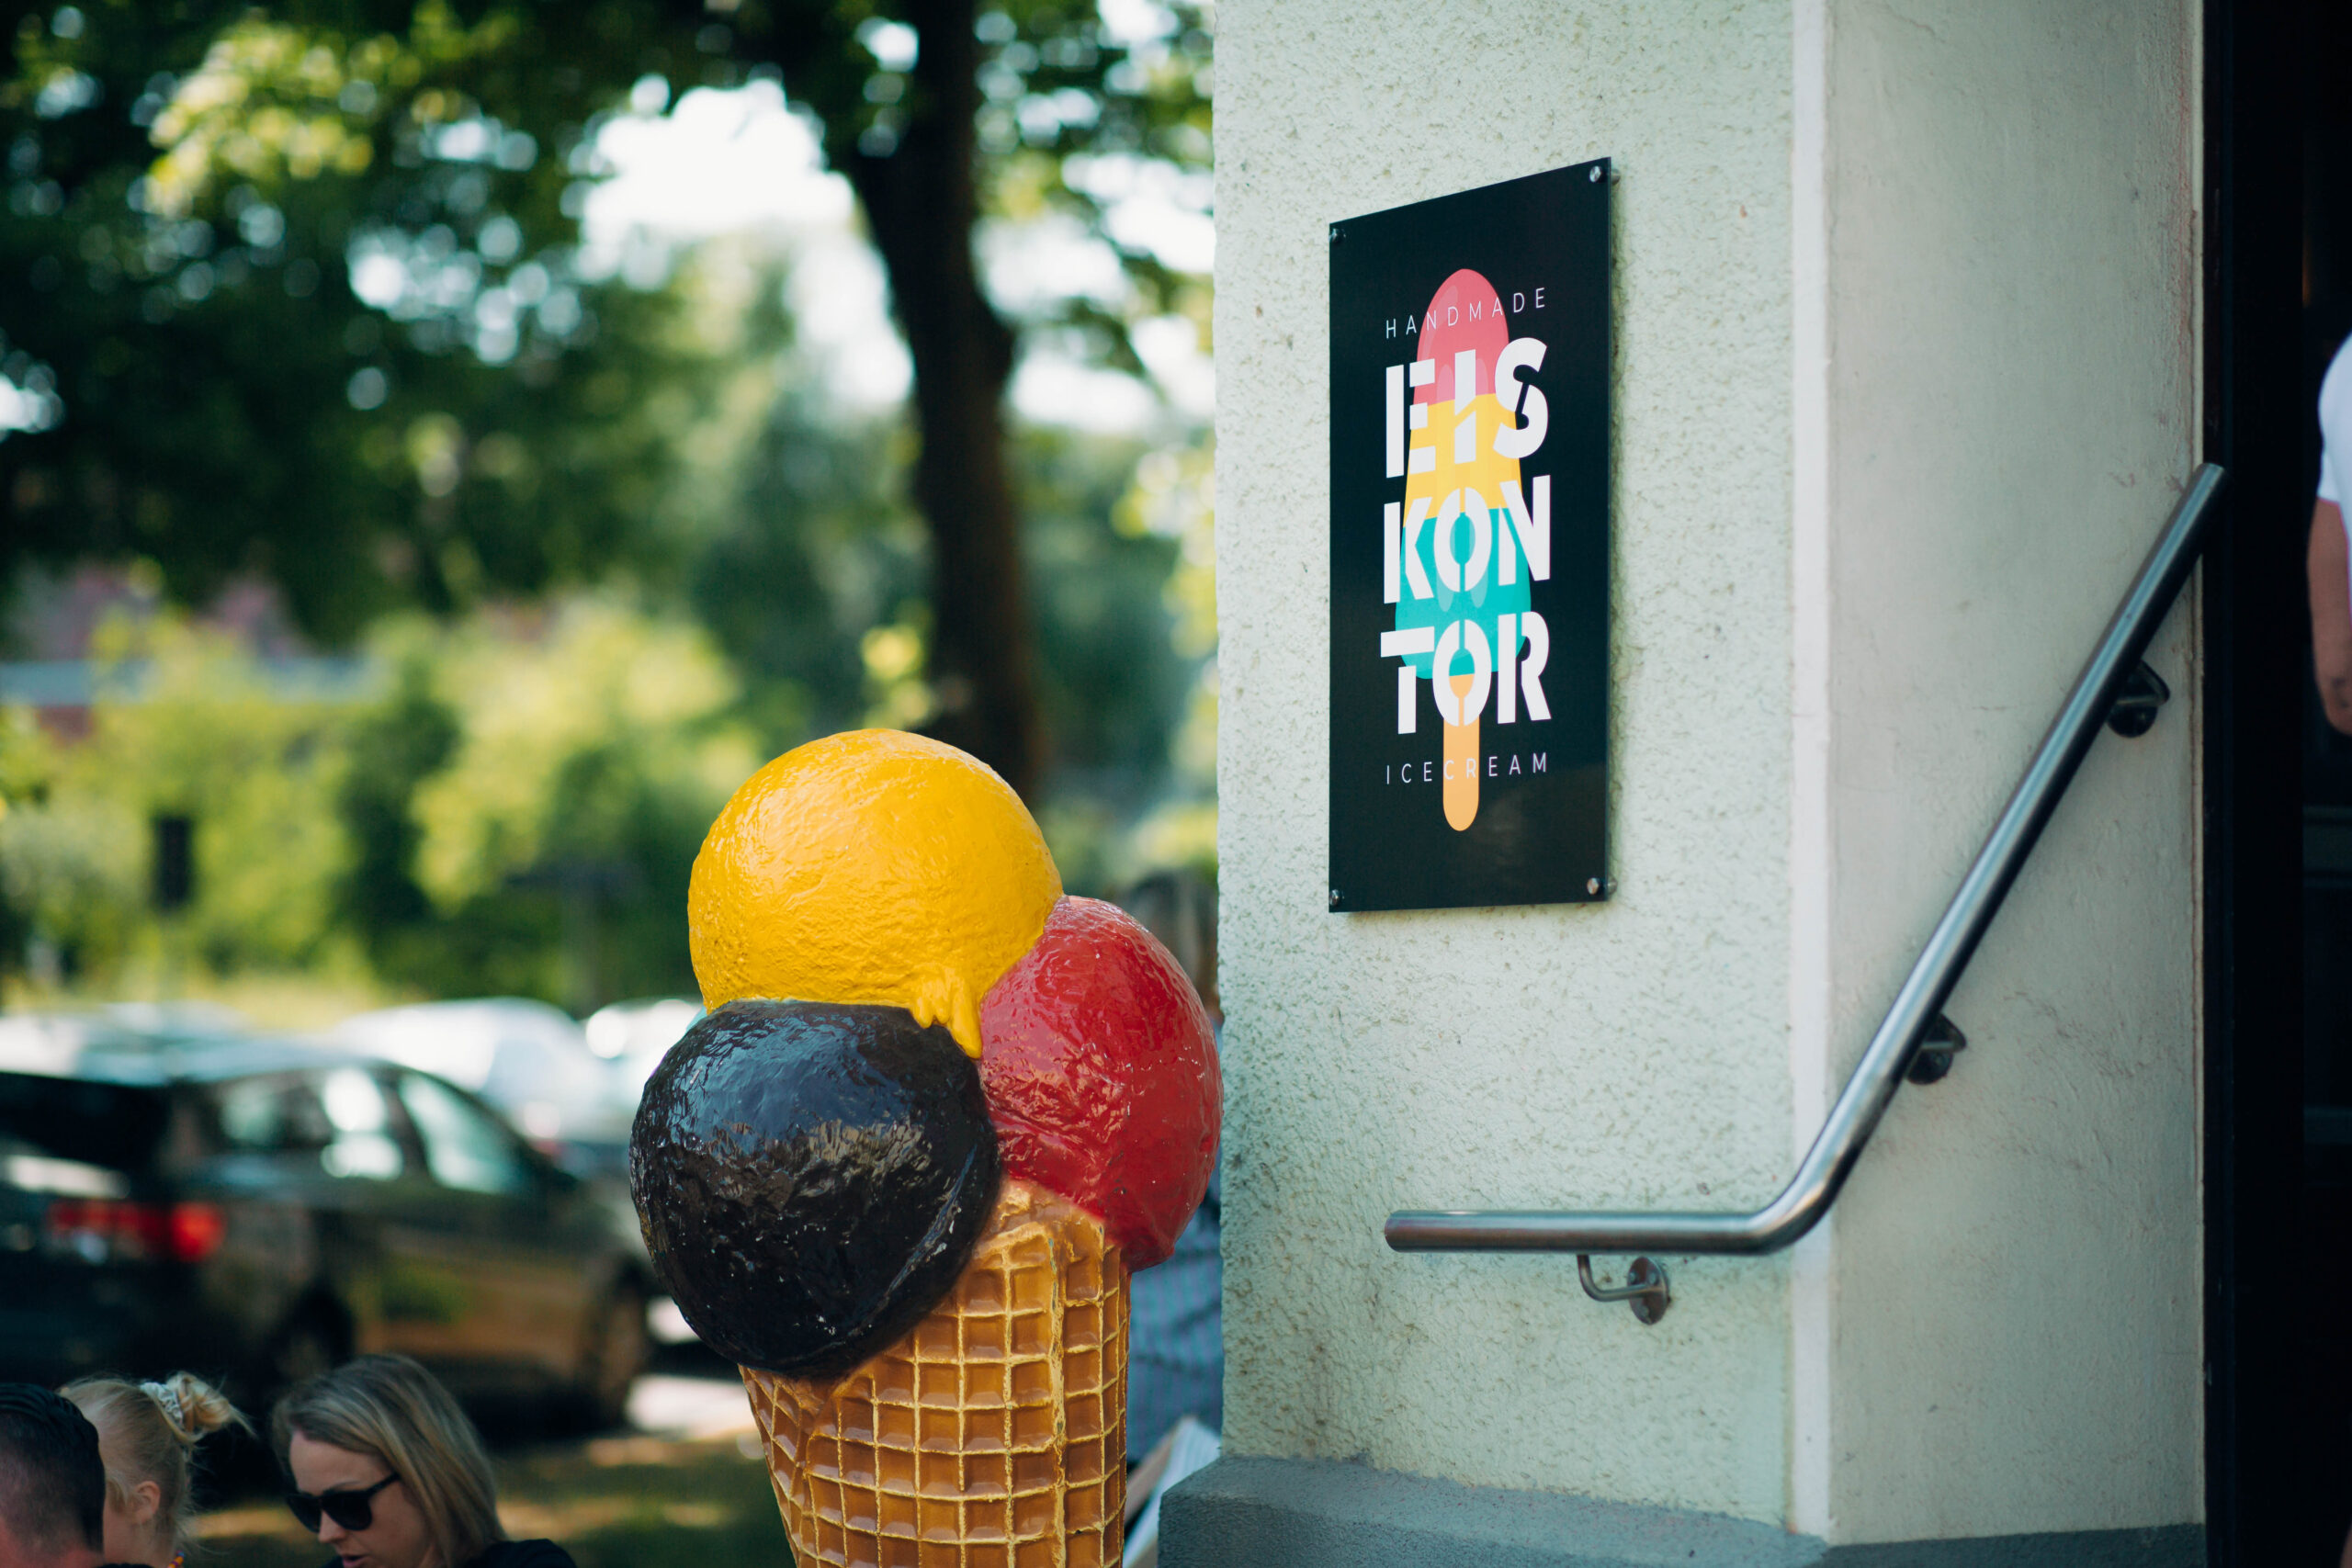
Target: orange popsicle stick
1462, 762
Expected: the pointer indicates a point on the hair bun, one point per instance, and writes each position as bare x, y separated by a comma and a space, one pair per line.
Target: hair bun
192, 1408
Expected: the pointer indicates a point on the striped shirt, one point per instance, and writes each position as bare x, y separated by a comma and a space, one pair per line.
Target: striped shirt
1176, 1332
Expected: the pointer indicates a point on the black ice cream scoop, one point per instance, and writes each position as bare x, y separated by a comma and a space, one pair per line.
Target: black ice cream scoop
811, 1178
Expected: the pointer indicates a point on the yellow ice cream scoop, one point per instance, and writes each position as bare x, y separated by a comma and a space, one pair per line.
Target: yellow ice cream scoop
870, 866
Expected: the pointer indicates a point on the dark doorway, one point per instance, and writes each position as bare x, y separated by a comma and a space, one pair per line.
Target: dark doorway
2324, 1295
2279, 800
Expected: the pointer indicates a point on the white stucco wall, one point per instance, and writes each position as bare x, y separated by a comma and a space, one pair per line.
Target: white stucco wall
2012, 1327
1630, 1053
1905, 384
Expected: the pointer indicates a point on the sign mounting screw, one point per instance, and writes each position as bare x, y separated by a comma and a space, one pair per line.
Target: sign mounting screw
1592, 885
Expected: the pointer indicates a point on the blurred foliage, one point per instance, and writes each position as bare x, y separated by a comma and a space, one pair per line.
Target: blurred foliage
299, 292
207, 741
820, 558
515, 804
1174, 495
1109, 686
514, 774
296, 293
190, 191
72, 866
571, 762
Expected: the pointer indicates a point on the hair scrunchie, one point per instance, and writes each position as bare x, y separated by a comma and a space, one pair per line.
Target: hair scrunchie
169, 1398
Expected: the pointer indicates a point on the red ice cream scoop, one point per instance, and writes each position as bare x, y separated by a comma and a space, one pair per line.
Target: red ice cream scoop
1100, 1076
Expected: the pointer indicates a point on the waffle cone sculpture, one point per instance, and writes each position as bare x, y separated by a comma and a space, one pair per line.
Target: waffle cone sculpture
900, 1172
990, 1435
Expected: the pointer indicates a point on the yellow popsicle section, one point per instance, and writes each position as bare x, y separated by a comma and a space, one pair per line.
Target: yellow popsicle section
1426, 494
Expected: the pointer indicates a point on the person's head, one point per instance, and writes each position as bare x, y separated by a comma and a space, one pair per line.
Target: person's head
385, 1468
52, 1487
1179, 906
147, 1436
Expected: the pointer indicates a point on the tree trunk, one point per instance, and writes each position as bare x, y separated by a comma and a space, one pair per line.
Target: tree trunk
921, 201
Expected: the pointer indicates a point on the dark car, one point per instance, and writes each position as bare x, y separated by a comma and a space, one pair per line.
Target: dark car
260, 1210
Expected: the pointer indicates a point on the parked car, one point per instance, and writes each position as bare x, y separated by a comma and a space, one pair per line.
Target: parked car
530, 1060
263, 1208
632, 1037
54, 1041
635, 1036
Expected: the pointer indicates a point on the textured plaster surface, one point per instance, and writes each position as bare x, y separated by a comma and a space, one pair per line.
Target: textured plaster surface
1629, 1052
2015, 1325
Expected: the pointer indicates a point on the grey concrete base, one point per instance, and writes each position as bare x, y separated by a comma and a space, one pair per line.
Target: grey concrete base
1244, 1513
1266, 1513
2167, 1546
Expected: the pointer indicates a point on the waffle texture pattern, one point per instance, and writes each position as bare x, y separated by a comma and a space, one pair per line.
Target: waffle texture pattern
993, 1434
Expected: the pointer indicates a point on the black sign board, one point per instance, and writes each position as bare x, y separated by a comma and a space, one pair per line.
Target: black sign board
1470, 547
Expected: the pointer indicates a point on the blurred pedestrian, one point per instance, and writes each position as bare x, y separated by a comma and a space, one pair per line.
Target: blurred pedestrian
2328, 558
389, 1473
1175, 1314
52, 1487
147, 1437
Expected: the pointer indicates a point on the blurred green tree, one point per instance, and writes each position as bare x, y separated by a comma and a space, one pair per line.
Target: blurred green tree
299, 294
515, 811
514, 805
932, 108
190, 186
553, 777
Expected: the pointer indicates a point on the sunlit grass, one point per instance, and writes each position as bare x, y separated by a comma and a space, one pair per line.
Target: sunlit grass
299, 1001
614, 1503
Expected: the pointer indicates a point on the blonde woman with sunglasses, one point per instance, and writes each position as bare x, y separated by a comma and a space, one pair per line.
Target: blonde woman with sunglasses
147, 1437
390, 1473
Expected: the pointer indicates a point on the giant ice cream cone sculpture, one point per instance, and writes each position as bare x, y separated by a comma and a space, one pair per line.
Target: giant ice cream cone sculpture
902, 1170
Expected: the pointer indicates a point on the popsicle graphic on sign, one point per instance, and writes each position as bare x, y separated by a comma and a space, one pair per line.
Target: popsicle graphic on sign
1470, 532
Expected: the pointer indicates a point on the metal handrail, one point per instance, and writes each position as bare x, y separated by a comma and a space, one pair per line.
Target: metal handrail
1916, 1006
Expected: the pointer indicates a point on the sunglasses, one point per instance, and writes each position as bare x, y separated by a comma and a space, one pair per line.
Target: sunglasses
353, 1510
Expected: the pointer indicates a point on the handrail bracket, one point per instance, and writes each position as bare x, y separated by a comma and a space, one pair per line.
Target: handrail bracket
1646, 1290
1933, 1058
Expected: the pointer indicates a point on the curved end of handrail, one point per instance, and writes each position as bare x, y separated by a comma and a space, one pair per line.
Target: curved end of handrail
1802, 1204
1794, 1211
